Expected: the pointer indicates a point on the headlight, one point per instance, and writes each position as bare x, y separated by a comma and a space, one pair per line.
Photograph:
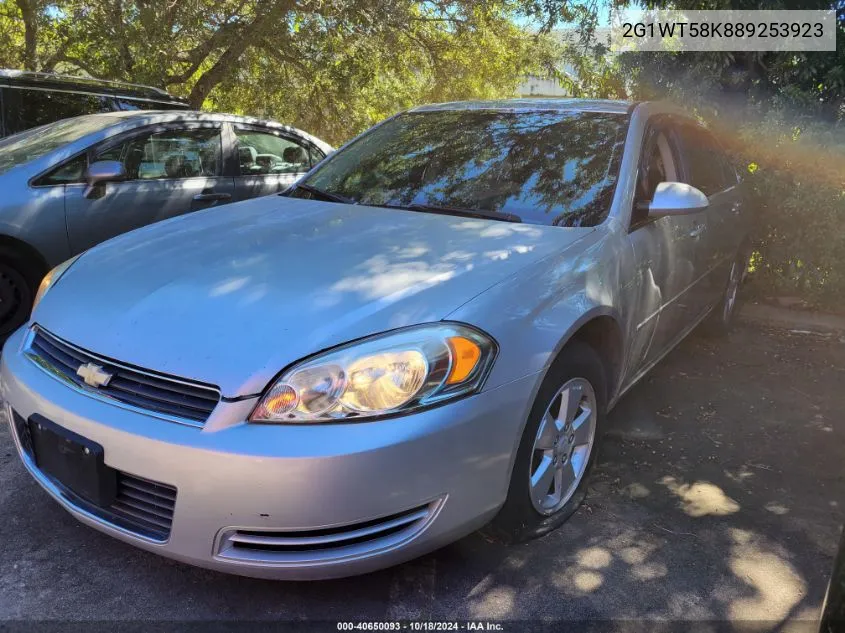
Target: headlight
397, 372
51, 278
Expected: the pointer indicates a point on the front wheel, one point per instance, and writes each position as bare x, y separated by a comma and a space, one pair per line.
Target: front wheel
557, 449
16, 296
722, 317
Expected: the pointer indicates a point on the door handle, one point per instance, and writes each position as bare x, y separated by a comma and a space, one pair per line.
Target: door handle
212, 197
696, 231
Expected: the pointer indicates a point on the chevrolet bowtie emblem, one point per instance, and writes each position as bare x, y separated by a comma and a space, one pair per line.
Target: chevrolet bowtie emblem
94, 375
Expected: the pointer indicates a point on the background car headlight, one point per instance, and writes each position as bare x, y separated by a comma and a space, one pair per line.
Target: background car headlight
387, 374
51, 278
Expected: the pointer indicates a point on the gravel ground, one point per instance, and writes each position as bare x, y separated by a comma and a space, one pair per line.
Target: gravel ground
717, 498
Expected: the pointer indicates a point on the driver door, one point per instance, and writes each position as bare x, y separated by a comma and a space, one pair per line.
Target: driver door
170, 171
665, 254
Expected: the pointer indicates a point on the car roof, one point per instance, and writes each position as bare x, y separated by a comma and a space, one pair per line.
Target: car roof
136, 118
532, 105
86, 85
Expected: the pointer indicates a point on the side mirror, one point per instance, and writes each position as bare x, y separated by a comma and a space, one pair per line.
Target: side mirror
676, 198
101, 172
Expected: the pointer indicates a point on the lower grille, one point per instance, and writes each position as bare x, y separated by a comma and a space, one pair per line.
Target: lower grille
144, 506
24, 436
141, 506
293, 546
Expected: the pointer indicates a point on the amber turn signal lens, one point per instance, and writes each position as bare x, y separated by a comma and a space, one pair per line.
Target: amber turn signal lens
281, 399
465, 355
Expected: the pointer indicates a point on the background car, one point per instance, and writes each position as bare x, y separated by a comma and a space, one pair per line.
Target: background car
423, 335
29, 99
72, 184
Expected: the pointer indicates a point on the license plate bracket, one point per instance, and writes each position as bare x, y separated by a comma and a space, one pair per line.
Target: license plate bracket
75, 462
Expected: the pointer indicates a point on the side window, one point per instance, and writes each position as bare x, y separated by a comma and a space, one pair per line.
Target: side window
24, 109
652, 171
657, 164
124, 103
316, 155
264, 153
168, 154
705, 162
729, 173
73, 171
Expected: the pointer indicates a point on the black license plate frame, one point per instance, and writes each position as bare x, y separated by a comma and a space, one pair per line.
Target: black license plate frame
73, 461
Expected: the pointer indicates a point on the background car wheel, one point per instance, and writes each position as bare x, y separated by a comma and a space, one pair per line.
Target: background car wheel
557, 449
722, 317
18, 282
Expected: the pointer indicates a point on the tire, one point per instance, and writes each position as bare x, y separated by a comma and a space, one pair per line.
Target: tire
18, 283
721, 319
527, 512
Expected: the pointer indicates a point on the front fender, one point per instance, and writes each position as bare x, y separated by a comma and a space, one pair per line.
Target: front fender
534, 313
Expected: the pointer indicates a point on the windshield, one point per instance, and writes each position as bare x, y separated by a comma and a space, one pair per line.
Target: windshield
543, 167
35, 143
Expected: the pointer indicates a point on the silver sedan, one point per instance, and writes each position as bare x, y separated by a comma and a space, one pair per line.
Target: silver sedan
420, 338
75, 183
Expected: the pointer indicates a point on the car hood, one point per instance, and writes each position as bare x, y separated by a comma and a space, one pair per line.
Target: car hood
232, 295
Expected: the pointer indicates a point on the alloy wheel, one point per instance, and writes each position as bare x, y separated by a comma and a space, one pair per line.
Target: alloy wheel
731, 292
563, 446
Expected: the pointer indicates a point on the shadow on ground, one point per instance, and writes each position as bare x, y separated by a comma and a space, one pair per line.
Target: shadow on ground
718, 496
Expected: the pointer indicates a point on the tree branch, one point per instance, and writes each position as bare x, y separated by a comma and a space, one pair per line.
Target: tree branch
253, 32
76, 62
197, 55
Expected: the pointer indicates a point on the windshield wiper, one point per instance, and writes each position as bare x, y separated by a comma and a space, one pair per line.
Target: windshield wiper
424, 208
469, 213
332, 197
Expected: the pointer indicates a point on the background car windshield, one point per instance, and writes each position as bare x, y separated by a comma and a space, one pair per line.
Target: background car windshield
36, 142
547, 167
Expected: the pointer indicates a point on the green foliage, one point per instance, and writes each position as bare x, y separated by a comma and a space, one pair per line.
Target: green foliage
333, 68
798, 193
339, 78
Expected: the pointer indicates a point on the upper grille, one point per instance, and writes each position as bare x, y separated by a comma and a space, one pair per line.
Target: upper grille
163, 395
297, 546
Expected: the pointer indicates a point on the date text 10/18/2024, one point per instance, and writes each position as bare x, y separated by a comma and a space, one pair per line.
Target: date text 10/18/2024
420, 626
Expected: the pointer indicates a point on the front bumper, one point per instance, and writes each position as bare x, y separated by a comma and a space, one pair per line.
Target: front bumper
270, 500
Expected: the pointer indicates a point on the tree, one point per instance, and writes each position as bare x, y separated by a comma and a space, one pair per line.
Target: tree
334, 65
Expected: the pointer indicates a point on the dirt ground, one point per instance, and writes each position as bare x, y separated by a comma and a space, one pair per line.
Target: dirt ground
718, 497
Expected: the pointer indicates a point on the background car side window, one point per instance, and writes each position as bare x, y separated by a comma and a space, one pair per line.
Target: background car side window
705, 162
24, 109
169, 154
264, 153
70, 172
